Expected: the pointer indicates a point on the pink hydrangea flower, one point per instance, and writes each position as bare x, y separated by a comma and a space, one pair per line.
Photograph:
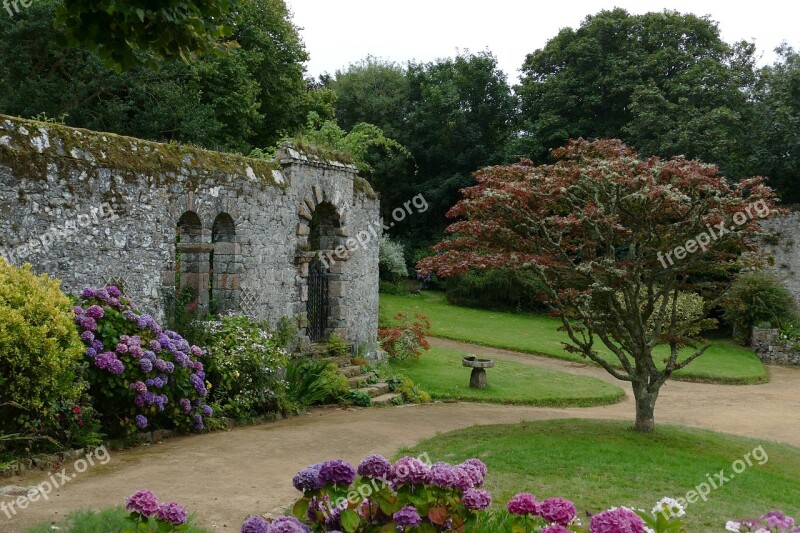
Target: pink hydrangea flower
522, 504
143, 502
172, 512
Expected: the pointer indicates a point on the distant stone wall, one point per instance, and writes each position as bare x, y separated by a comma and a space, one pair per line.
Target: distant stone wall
782, 246
773, 350
93, 208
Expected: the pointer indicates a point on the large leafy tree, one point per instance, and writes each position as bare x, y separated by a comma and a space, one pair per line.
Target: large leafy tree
776, 124
169, 29
454, 115
247, 98
372, 91
666, 83
622, 245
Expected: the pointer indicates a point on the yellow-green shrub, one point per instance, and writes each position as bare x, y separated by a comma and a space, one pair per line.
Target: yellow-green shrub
40, 353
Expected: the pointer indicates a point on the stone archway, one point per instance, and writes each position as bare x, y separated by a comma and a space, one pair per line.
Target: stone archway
321, 281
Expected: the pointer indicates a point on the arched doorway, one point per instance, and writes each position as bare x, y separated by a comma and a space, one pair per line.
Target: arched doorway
322, 241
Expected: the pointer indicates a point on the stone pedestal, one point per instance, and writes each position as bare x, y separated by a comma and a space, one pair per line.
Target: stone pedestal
477, 380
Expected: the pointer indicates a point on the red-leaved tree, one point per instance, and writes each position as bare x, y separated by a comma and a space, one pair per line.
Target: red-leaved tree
632, 252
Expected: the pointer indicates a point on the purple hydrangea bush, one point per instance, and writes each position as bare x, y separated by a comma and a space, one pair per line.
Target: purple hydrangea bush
145, 509
409, 495
141, 376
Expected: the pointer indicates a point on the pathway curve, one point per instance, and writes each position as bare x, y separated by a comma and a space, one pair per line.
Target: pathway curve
224, 475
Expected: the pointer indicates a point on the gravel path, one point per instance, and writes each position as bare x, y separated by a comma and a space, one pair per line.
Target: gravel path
224, 476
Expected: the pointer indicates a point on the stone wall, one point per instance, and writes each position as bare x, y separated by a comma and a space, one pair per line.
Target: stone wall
781, 244
93, 208
773, 350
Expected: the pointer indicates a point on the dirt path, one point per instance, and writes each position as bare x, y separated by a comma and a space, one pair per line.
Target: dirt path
225, 476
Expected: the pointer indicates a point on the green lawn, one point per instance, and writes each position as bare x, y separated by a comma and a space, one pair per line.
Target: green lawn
105, 521
724, 362
439, 371
599, 464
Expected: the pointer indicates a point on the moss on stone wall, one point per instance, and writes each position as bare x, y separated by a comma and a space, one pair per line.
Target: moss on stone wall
362, 185
27, 146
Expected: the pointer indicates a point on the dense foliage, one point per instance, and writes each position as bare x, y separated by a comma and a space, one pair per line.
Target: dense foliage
757, 297
244, 363
42, 376
141, 376
614, 240
666, 83
250, 97
504, 289
118, 30
453, 115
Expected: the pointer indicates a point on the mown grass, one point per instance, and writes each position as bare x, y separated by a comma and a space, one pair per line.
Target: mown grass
440, 372
106, 521
724, 362
600, 464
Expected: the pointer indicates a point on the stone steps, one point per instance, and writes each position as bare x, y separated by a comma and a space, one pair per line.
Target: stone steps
373, 391
350, 371
385, 399
360, 380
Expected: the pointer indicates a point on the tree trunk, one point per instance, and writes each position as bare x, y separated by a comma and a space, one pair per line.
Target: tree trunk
645, 406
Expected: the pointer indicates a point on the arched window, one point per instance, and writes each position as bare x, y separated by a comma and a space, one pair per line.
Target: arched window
225, 266
189, 259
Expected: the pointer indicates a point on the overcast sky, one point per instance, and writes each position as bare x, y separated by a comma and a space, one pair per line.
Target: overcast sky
340, 32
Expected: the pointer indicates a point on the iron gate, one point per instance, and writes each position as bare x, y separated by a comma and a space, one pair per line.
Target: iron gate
317, 305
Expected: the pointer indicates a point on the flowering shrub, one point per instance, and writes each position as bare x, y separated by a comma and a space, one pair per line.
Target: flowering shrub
407, 339
146, 510
42, 375
242, 361
141, 376
408, 495
772, 522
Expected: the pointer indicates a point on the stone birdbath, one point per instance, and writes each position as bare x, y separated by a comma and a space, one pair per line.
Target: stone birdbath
477, 379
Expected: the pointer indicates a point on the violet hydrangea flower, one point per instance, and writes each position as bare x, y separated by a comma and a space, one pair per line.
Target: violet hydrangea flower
141, 421
375, 467
463, 481
442, 476
186, 405
407, 517
476, 499
172, 512
288, 524
308, 479
143, 502
336, 472
255, 524
95, 312
411, 470
113, 291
